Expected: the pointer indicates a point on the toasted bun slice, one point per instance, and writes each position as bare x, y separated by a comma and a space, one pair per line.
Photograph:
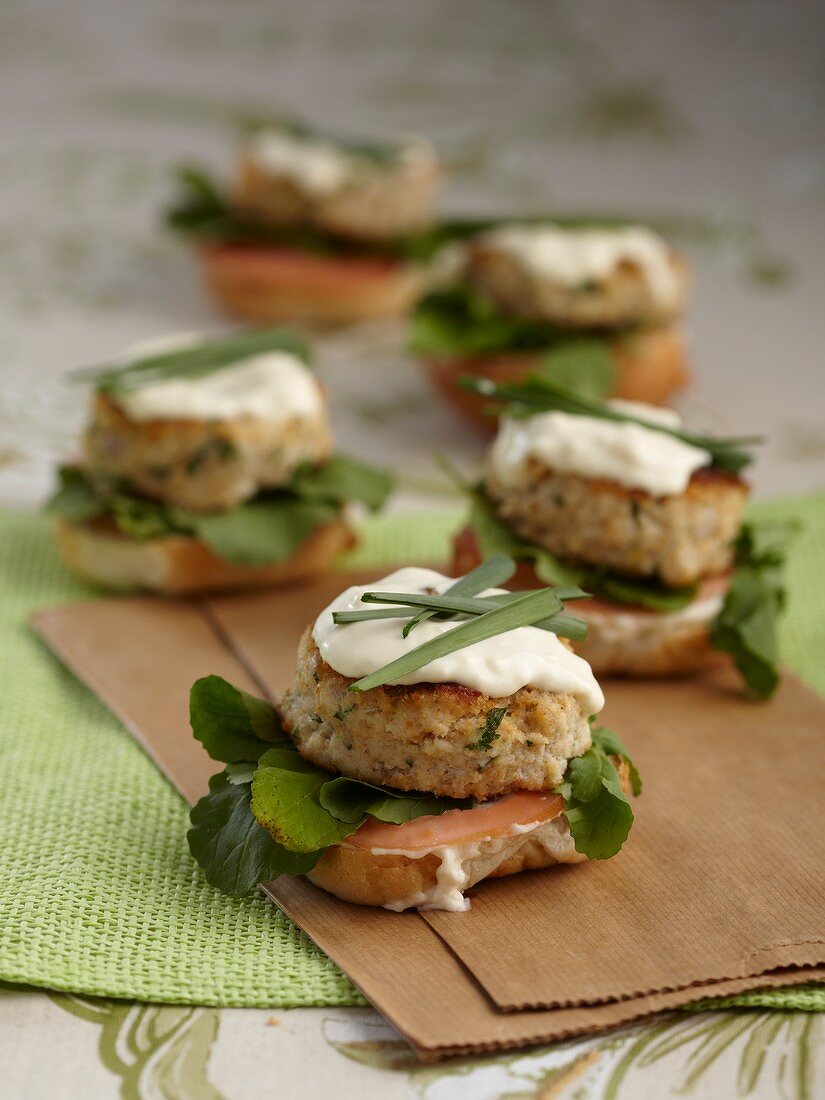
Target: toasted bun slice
179, 565
271, 285
651, 366
430, 861
623, 640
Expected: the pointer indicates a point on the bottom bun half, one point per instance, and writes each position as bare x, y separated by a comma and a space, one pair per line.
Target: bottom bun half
623, 640
651, 366
271, 285
437, 879
178, 565
522, 831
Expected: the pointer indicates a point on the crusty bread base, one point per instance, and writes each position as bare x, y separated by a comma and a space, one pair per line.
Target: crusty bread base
396, 881
181, 566
651, 366
655, 645
317, 292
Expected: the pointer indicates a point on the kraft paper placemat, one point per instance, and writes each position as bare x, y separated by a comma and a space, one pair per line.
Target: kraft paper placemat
720, 883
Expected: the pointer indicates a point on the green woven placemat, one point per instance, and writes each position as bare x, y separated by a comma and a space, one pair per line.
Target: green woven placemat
98, 893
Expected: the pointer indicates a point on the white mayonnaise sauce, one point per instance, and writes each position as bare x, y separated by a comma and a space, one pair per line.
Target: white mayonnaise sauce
273, 386
499, 666
620, 451
463, 865
575, 257
320, 167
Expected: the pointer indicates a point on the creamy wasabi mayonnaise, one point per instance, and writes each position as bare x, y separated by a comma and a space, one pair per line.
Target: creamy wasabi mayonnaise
621, 451
499, 666
316, 166
577, 256
273, 386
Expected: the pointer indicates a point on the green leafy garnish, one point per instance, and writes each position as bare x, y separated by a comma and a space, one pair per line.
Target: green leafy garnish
236, 854
597, 811
489, 731
340, 479
232, 725
461, 321
205, 357
746, 626
75, 499
270, 812
268, 528
204, 211
538, 394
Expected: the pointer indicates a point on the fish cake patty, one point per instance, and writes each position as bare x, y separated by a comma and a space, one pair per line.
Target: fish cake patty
425, 737
680, 539
197, 464
376, 203
623, 297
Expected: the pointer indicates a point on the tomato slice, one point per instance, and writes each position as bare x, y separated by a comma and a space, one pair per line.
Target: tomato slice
493, 818
307, 269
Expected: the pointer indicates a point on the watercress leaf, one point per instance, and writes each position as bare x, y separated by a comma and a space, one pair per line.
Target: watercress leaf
141, 519
75, 499
608, 742
747, 624
351, 800
586, 367
286, 802
266, 529
746, 628
642, 592
596, 808
232, 725
341, 479
235, 853
586, 776
460, 321
600, 827
242, 772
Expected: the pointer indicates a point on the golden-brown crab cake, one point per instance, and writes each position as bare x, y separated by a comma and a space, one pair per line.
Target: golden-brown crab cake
589, 277
214, 441
616, 494
425, 737
294, 180
505, 714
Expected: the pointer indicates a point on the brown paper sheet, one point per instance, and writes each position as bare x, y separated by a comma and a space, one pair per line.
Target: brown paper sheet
717, 891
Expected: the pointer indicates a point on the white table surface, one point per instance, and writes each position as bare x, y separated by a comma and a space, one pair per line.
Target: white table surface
710, 114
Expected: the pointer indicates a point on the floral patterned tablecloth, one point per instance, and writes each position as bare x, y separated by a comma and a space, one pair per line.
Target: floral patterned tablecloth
707, 116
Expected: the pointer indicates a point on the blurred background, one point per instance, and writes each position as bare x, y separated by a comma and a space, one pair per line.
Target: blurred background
709, 116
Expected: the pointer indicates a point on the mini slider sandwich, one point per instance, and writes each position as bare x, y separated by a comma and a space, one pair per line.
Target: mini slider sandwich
314, 229
595, 306
208, 464
620, 498
438, 732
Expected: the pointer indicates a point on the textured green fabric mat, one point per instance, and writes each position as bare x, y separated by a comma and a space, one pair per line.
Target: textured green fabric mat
98, 893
